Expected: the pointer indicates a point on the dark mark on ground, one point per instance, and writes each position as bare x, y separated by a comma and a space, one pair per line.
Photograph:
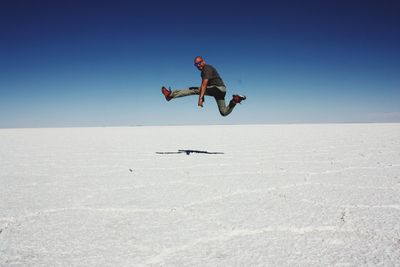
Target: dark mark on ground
2, 229
342, 217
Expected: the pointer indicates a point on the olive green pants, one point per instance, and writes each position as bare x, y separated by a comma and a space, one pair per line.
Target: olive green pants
218, 92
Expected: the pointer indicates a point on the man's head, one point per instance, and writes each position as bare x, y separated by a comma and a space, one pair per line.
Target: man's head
199, 63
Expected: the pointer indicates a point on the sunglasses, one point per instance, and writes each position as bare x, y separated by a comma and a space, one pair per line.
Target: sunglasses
198, 63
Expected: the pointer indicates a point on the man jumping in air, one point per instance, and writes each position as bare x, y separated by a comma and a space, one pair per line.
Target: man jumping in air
211, 85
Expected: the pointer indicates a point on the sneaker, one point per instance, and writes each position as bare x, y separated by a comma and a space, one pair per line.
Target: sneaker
238, 98
167, 93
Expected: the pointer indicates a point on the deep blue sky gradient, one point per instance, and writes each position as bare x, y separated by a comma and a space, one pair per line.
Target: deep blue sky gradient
102, 63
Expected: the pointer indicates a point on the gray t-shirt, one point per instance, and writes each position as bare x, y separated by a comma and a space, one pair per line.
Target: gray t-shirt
210, 73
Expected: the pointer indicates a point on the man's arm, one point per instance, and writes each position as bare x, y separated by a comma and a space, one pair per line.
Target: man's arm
202, 92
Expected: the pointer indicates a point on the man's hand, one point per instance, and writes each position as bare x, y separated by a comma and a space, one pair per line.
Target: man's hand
201, 101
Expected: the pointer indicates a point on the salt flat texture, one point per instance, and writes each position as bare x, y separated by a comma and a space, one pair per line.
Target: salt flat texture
280, 195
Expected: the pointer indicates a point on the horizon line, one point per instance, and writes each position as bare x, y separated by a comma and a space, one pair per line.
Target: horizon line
184, 125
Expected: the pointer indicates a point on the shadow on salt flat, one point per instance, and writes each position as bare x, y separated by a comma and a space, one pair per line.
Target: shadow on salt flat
189, 151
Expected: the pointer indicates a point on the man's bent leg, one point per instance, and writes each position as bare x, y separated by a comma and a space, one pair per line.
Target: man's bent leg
185, 92
223, 109
219, 94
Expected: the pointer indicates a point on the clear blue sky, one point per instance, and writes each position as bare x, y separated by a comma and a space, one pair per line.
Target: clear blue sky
102, 63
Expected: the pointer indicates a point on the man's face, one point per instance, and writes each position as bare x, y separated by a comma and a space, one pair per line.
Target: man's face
199, 63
